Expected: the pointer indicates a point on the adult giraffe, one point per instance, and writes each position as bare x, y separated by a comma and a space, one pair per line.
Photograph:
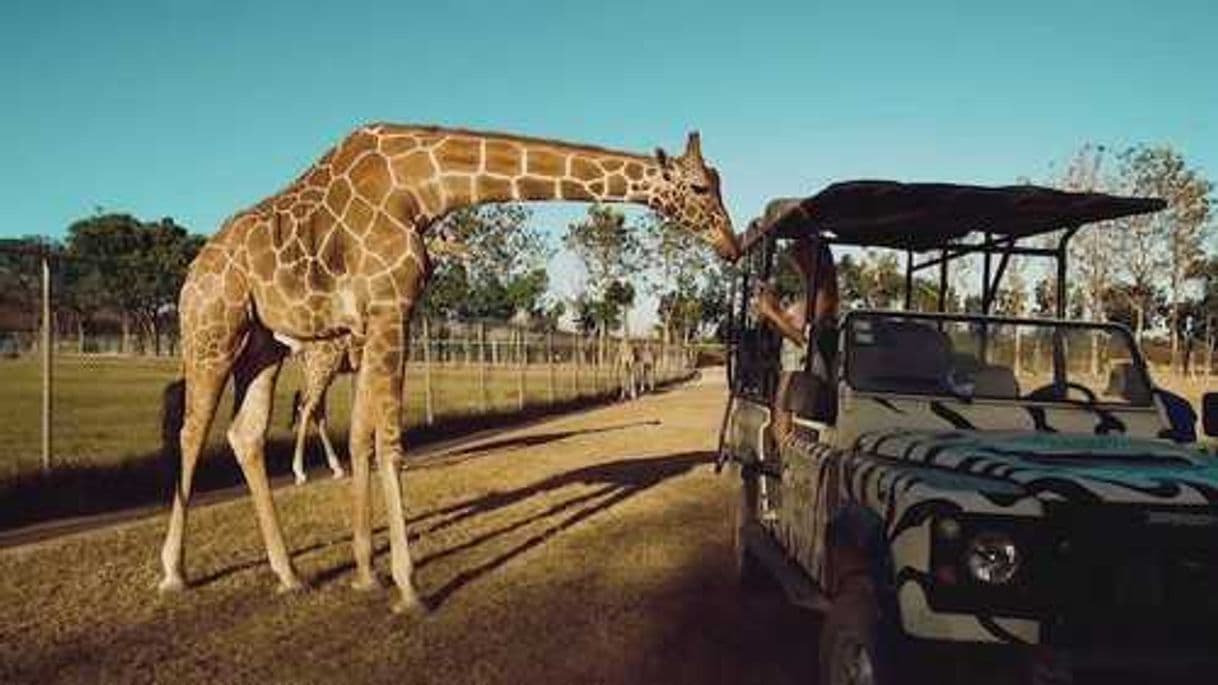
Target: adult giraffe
340, 252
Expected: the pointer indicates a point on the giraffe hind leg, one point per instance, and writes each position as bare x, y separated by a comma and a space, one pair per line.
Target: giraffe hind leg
254, 388
302, 431
336, 466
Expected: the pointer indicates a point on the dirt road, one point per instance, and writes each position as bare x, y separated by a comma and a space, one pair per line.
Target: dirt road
590, 548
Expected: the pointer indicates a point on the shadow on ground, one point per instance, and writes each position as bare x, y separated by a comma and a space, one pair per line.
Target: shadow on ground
149, 479
613, 483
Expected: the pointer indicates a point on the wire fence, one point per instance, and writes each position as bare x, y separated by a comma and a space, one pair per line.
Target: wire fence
104, 407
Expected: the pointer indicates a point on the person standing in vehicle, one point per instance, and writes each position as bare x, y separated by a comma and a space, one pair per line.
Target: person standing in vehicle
812, 395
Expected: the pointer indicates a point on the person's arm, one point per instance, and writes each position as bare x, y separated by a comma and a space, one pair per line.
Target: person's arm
768, 307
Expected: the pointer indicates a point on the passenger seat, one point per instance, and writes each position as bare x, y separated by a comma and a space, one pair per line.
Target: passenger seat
996, 381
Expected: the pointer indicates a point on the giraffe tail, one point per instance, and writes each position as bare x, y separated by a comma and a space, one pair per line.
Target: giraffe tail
173, 415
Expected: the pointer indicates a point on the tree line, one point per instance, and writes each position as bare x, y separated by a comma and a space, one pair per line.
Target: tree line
118, 275
1155, 272
109, 267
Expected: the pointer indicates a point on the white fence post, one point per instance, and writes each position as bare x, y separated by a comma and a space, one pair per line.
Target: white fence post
46, 363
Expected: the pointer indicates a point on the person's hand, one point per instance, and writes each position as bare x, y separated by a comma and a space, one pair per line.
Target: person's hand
765, 300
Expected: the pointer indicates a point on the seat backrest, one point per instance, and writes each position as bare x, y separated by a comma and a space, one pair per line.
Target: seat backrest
901, 356
1126, 383
995, 381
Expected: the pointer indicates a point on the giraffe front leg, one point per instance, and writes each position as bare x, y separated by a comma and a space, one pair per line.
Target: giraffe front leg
200, 392
361, 446
384, 359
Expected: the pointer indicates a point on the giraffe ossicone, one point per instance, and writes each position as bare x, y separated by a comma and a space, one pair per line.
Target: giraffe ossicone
341, 252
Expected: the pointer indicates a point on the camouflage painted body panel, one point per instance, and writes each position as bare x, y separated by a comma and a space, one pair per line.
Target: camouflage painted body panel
903, 461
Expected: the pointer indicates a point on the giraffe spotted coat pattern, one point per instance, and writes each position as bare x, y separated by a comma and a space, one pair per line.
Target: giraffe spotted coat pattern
341, 252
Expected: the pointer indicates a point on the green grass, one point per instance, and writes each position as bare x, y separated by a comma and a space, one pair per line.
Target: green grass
107, 409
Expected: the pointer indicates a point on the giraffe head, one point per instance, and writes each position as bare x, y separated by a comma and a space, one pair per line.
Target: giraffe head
688, 192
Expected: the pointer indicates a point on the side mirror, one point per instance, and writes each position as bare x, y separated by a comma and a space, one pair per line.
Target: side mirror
1209, 414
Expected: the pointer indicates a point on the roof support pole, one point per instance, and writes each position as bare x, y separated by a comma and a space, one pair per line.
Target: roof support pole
943, 282
985, 278
908, 279
1062, 252
991, 289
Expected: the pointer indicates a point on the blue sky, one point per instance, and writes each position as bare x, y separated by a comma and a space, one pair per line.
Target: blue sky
195, 109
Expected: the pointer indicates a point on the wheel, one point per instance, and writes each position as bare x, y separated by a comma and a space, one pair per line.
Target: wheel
856, 643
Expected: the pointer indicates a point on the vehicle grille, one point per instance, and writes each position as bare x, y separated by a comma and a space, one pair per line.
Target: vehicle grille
1118, 580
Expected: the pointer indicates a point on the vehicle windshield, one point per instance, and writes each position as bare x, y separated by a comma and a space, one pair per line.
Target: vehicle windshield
992, 358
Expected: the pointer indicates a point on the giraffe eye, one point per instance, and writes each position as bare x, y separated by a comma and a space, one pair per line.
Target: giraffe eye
699, 188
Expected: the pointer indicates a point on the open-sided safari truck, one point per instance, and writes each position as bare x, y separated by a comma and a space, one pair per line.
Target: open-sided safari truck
1014, 496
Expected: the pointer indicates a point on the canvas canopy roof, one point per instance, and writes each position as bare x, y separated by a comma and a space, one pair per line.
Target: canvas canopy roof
925, 216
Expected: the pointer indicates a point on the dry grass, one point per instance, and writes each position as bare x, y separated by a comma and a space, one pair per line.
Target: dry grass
593, 548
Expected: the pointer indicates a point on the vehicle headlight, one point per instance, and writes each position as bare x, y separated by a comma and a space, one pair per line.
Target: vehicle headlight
992, 558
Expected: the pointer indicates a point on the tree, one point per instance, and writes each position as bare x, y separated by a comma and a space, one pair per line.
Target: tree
504, 273
21, 276
610, 253
876, 281
1204, 308
685, 278
139, 266
1012, 298
83, 292
1091, 249
1161, 171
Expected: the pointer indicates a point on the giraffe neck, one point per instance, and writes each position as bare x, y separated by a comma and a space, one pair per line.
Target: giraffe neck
448, 169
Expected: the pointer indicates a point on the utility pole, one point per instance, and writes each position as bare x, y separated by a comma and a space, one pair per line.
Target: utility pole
46, 361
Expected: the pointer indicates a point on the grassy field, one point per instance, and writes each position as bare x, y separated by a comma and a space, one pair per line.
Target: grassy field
593, 548
107, 409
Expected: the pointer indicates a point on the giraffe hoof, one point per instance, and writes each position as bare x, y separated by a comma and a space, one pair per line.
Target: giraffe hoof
366, 584
301, 479
340, 474
410, 606
290, 587
171, 585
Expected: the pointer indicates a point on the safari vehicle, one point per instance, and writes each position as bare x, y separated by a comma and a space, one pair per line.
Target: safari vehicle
984, 495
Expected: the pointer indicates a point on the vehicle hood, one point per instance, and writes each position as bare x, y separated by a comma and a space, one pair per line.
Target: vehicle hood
1054, 466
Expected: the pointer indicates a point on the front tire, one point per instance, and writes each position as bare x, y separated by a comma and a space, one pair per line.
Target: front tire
856, 645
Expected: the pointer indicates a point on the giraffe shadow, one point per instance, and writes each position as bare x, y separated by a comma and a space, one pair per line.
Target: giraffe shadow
522, 442
612, 483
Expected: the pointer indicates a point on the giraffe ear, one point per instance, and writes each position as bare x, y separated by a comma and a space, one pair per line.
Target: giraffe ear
693, 146
665, 162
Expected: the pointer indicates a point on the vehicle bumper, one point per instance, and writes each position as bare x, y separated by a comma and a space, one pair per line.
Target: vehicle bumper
989, 663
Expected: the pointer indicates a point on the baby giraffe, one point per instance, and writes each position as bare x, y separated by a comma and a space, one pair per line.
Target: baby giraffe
323, 360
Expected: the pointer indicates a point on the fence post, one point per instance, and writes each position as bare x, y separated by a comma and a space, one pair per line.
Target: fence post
484, 401
522, 360
576, 352
46, 363
550, 365
429, 415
